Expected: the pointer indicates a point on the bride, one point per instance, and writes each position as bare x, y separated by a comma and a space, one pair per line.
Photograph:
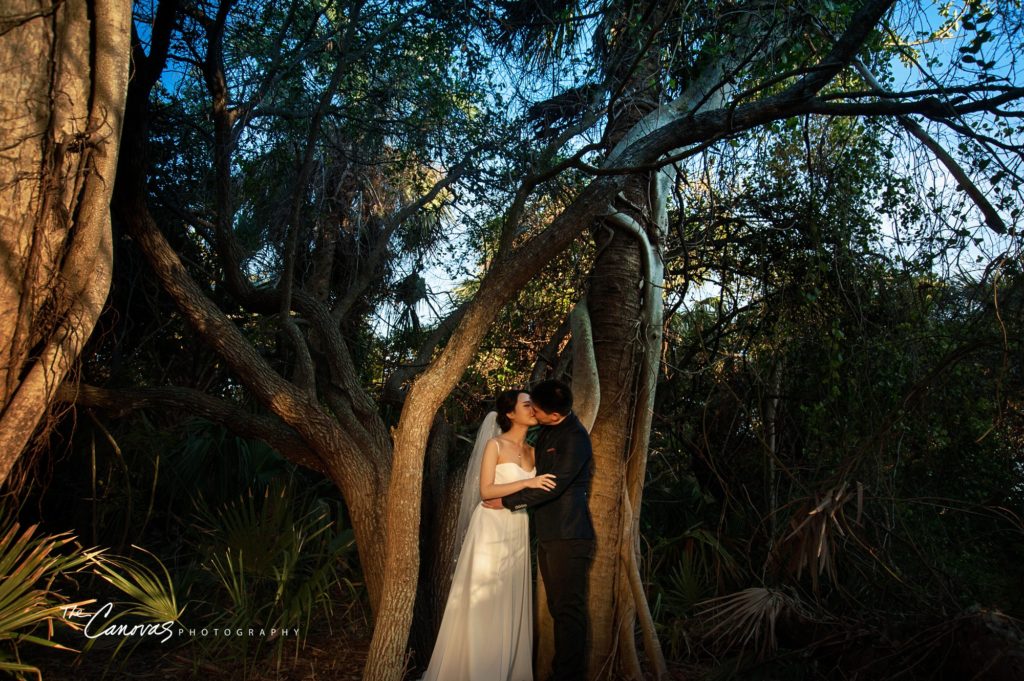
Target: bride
486, 632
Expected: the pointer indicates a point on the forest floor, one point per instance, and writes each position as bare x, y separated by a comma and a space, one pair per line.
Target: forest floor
338, 657
328, 653
328, 658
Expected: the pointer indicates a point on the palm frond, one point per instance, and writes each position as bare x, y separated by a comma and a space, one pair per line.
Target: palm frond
817, 530
152, 598
748, 618
274, 558
29, 566
541, 30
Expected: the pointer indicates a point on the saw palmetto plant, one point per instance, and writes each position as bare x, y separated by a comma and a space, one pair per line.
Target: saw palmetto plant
31, 603
748, 619
819, 527
150, 597
272, 559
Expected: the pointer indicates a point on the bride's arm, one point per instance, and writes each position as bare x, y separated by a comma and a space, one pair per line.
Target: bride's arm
490, 490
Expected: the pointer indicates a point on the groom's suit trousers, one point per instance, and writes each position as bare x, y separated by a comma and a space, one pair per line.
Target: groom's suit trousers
564, 564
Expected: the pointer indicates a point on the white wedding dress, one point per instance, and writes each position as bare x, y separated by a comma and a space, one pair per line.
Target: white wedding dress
487, 629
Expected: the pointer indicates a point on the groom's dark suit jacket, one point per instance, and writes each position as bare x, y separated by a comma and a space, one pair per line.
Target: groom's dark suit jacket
561, 513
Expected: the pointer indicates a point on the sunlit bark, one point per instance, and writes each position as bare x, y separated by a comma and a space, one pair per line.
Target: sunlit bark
64, 73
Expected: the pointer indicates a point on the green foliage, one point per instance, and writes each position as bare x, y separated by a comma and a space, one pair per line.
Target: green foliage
30, 598
269, 560
836, 409
152, 596
245, 540
39, 570
151, 608
209, 461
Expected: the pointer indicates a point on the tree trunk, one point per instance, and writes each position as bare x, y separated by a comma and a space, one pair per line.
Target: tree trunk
616, 296
428, 391
64, 74
625, 293
441, 498
616, 311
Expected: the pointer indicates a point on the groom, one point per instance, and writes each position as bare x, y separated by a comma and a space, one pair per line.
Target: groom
565, 534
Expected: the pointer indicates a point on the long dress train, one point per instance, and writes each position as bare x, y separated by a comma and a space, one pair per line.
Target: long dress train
487, 630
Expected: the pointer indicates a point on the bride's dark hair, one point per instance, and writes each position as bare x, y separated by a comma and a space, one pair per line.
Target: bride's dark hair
505, 402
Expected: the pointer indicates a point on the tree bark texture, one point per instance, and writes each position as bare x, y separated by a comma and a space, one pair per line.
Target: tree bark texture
616, 309
63, 75
616, 295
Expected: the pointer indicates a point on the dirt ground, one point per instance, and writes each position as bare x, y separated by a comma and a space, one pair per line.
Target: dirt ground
338, 658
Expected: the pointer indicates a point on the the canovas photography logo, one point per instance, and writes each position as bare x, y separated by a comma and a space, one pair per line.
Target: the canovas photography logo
102, 623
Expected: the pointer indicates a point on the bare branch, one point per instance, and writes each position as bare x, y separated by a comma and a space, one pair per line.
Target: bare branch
548, 355
860, 26
223, 412
369, 264
988, 210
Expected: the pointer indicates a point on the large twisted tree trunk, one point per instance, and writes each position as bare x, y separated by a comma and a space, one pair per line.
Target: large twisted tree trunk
616, 310
626, 330
626, 293
63, 75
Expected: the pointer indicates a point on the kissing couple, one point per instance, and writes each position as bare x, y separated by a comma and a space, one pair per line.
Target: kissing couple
487, 630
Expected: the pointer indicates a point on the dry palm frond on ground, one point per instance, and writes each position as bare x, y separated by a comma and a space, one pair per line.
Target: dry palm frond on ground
749, 618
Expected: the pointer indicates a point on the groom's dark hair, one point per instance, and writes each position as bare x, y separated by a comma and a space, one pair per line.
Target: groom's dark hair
552, 396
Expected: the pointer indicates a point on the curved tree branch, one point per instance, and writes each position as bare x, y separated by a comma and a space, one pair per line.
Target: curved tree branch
586, 382
369, 265
995, 222
548, 355
223, 412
